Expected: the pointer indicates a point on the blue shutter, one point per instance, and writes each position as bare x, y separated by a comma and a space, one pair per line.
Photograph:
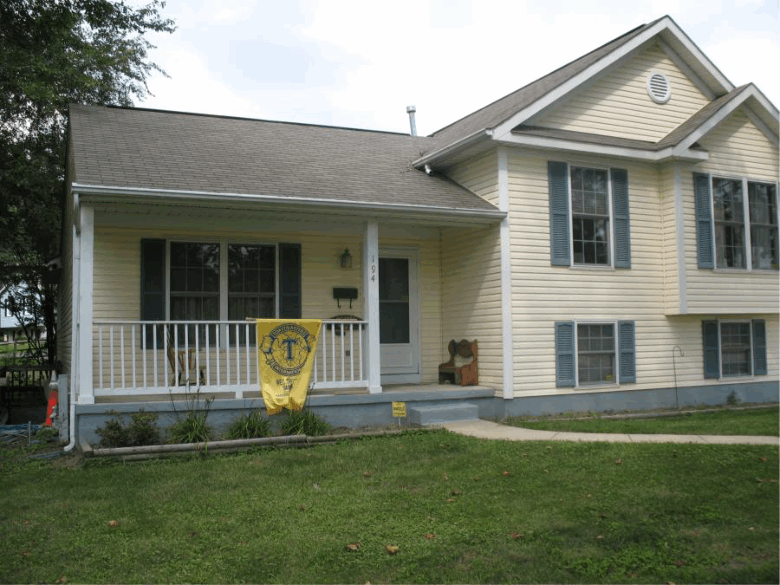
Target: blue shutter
759, 347
701, 191
560, 249
289, 281
627, 351
709, 336
564, 354
153, 288
620, 218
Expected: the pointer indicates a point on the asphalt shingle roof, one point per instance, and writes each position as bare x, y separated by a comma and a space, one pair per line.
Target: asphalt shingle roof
137, 148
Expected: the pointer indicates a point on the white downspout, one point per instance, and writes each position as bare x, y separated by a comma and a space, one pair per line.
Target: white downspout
74, 361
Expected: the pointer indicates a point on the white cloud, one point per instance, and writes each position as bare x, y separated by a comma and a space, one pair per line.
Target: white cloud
358, 63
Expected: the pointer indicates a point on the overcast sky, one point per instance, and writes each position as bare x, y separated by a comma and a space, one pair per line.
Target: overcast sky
360, 63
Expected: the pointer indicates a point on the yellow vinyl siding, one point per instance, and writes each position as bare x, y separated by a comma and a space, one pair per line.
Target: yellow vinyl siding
737, 149
117, 274
667, 212
471, 296
617, 103
478, 175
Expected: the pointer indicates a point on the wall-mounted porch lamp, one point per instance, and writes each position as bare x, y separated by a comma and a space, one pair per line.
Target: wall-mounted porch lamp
346, 259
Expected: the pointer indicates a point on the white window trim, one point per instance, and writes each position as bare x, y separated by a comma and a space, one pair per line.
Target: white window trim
746, 224
600, 384
751, 359
223, 273
572, 264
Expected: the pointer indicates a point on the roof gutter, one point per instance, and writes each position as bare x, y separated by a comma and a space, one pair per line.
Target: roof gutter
110, 193
454, 148
639, 154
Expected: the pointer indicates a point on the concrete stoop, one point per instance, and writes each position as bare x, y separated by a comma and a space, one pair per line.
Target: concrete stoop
425, 416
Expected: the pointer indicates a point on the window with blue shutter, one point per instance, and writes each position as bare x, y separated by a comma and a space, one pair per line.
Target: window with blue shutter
589, 216
564, 354
759, 347
711, 347
626, 352
620, 218
290, 281
560, 249
701, 191
153, 273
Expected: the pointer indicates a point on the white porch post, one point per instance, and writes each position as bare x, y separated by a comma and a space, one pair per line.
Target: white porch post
371, 294
86, 219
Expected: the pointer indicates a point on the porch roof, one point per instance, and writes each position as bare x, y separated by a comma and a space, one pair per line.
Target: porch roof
128, 151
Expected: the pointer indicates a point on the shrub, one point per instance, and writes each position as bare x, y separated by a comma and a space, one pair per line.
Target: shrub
249, 426
191, 428
304, 422
141, 430
191, 425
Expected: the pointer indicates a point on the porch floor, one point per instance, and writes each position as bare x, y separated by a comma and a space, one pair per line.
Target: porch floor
390, 389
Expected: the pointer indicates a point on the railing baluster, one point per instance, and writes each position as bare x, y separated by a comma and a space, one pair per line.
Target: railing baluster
208, 355
360, 349
122, 353
132, 342
351, 353
238, 356
341, 340
219, 356
143, 353
248, 351
100, 354
111, 339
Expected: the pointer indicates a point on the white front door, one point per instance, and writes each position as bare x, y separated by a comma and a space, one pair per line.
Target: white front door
399, 316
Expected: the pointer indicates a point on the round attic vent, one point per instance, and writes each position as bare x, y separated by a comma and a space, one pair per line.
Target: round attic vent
658, 88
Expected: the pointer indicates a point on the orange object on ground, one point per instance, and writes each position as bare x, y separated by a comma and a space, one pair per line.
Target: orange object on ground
53, 397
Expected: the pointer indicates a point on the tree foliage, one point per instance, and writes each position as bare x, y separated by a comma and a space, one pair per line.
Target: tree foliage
54, 53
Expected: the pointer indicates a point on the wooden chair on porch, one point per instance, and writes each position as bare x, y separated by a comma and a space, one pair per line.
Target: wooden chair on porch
185, 362
462, 368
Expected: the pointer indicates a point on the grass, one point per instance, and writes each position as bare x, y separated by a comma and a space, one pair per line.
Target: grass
761, 422
459, 510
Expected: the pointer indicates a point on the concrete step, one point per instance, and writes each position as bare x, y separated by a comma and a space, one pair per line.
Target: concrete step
424, 416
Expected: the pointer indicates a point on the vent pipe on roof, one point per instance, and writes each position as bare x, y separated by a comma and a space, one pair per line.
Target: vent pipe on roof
411, 110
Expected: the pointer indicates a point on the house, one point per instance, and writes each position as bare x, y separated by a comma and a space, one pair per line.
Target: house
608, 233
11, 330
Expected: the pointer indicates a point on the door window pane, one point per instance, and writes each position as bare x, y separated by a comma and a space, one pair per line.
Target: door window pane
394, 300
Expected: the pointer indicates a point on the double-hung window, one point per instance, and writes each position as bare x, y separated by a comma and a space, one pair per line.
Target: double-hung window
734, 348
218, 281
736, 223
589, 216
594, 353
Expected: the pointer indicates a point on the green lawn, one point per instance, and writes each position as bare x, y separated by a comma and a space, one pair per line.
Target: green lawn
761, 421
459, 510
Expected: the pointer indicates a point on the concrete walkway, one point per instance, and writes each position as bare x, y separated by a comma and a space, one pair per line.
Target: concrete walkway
483, 429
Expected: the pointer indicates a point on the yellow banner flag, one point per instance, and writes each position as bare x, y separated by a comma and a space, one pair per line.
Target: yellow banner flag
285, 357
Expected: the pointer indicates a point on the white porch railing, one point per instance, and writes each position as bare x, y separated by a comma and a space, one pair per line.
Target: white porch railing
158, 357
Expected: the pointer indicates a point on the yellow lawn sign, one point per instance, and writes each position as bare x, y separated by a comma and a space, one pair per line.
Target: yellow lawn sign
285, 357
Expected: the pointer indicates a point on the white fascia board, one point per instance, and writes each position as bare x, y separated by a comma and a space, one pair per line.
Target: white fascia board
605, 150
687, 70
684, 41
573, 83
454, 148
722, 114
664, 25
119, 194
